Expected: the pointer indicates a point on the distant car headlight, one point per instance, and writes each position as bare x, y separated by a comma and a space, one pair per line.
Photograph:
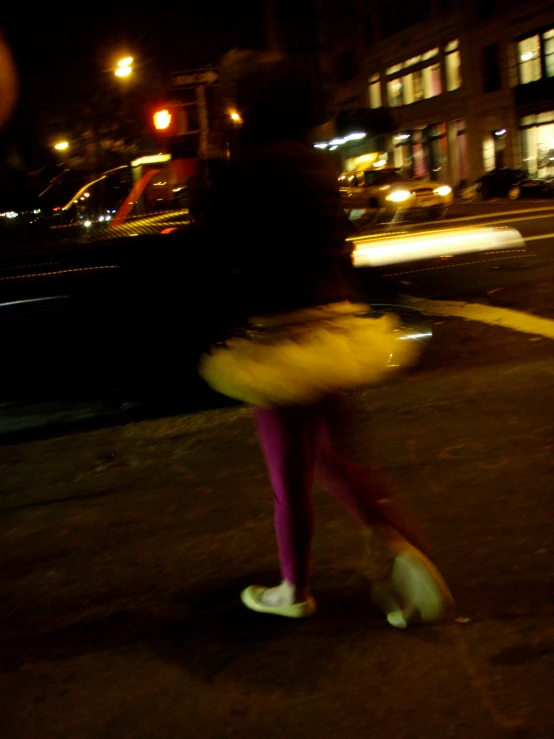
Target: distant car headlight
399, 196
443, 191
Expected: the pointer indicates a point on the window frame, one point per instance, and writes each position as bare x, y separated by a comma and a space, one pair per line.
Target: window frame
540, 33
544, 39
414, 65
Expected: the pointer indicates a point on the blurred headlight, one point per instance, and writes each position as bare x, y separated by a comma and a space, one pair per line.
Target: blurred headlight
443, 191
386, 250
399, 196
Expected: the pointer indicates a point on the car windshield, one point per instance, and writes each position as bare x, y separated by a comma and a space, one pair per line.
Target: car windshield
388, 177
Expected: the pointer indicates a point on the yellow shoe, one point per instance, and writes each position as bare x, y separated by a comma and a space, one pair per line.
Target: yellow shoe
252, 598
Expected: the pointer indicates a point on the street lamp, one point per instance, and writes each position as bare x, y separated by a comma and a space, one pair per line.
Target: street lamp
61, 146
124, 68
123, 71
235, 117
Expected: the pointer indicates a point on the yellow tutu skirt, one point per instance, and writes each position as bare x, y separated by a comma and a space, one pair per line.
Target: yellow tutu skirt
299, 357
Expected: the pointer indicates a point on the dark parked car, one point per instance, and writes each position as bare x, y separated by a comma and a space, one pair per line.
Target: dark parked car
513, 184
536, 188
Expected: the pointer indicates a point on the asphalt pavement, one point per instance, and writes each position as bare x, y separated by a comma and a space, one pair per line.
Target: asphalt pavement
124, 547
124, 551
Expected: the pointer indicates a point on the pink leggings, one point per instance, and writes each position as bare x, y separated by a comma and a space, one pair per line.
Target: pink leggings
300, 442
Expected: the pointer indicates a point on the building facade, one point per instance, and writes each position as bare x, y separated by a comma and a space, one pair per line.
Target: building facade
469, 85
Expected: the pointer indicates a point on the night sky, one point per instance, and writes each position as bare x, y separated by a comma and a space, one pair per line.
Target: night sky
66, 53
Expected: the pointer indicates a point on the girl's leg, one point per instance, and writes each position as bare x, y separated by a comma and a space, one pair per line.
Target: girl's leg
287, 438
406, 586
364, 489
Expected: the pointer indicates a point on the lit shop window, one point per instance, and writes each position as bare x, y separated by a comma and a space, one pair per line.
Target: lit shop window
453, 66
537, 137
529, 54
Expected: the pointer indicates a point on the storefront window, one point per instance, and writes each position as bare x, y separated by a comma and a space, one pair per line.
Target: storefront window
436, 150
529, 55
537, 138
375, 100
403, 152
548, 46
423, 152
453, 66
394, 90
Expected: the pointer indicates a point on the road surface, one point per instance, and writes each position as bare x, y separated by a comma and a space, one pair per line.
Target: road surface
124, 549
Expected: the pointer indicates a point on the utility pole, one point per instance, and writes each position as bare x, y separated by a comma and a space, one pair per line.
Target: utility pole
271, 25
203, 121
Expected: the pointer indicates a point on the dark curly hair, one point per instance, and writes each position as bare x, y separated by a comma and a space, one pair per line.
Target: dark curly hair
275, 96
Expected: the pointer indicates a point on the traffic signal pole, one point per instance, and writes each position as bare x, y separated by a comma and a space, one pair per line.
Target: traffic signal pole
202, 120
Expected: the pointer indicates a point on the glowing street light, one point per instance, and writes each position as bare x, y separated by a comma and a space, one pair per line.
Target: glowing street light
123, 71
235, 117
61, 146
124, 68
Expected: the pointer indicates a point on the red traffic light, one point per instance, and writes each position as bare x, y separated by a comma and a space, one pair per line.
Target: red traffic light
169, 119
162, 119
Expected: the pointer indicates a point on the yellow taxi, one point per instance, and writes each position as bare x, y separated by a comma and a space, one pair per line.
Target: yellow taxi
382, 191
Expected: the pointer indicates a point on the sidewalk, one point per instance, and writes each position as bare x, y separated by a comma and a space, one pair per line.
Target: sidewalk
124, 550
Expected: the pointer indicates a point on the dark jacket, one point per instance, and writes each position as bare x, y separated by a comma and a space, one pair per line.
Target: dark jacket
276, 224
